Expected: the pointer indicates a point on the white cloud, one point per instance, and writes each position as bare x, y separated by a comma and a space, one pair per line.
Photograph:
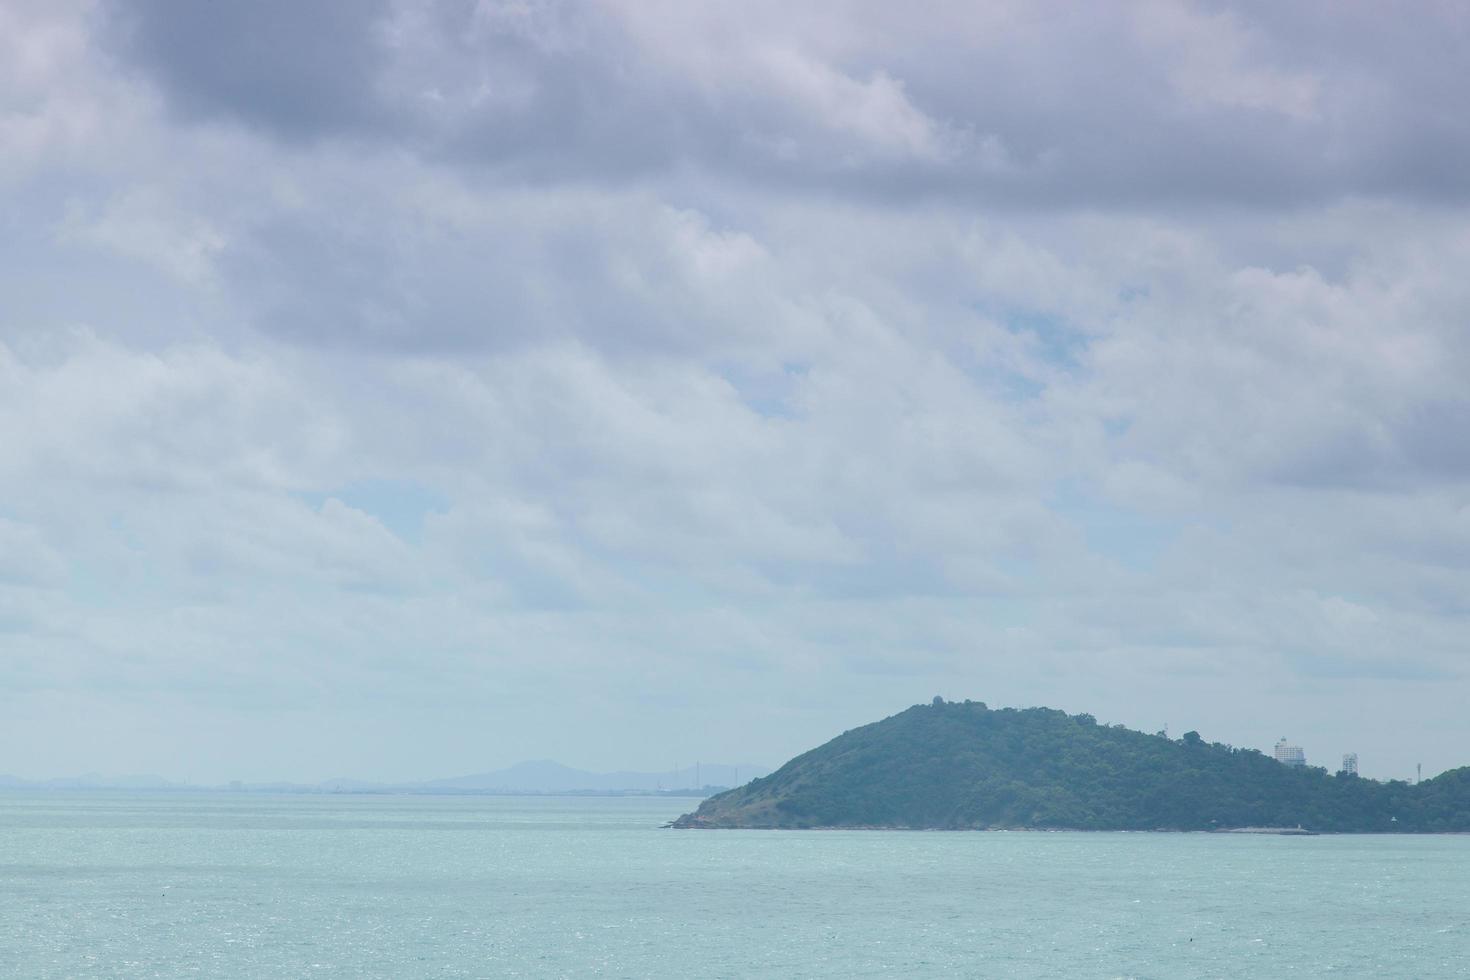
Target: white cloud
142, 224
734, 396
1209, 62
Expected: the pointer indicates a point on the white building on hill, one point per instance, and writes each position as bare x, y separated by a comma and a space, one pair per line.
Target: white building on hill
1290, 755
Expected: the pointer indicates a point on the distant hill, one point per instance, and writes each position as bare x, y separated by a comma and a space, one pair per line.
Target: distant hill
541, 777
956, 766
551, 777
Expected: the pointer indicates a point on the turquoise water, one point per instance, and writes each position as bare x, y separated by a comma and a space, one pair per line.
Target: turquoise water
164, 885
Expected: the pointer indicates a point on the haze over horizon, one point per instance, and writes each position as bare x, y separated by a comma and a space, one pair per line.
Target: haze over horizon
404, 388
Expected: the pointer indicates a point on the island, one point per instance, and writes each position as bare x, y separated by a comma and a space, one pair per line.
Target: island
963, 766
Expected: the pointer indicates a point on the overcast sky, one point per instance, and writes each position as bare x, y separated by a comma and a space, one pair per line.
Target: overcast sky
408, 388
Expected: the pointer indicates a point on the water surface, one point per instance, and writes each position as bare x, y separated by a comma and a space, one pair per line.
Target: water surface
234, 885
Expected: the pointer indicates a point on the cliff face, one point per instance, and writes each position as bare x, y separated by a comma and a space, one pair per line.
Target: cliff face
963, 766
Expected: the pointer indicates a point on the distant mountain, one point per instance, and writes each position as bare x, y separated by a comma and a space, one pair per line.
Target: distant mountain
964, 766
545, 776
525, 777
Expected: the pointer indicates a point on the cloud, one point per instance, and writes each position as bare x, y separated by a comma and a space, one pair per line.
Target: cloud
1207, 58
1163, 102
298, 68
461, 375
26, 558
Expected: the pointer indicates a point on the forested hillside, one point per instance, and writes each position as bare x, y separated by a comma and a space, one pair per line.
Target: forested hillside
960, 765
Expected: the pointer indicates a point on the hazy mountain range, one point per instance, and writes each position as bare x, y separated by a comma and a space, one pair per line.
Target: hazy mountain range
541, 776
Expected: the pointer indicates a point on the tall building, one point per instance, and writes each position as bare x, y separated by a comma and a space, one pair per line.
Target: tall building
1290, 755
1350, 763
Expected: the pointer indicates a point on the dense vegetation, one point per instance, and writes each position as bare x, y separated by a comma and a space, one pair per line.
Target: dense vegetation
962, 766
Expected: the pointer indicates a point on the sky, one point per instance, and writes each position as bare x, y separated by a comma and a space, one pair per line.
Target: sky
406, 388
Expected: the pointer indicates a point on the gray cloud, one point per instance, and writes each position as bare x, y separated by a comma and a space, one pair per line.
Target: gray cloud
1143, 105
301, 70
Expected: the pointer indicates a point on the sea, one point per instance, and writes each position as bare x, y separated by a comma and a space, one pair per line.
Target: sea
221, 885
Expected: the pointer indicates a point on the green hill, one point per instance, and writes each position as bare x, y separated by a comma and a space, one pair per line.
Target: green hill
955, 766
